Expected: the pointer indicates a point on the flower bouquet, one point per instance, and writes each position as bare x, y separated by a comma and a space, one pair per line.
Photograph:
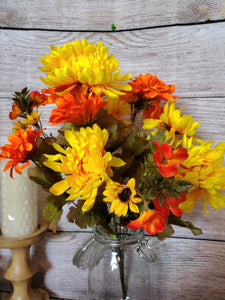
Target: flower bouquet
122, 156
123, 152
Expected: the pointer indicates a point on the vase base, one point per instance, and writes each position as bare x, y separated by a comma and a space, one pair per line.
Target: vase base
41, 294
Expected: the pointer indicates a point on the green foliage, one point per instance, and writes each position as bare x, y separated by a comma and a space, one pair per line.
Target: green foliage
23, 100
98, 215
168, 231
178, 221
69, 126
136, 142
53, 210
149, 180
175, 187
44, 147
39, 176
118, 131
160, 137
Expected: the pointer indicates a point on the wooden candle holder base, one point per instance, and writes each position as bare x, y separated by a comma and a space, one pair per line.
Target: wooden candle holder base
20, 272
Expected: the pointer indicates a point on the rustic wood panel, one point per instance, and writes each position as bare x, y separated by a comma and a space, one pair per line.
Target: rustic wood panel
190, 57
184, 269
92, 15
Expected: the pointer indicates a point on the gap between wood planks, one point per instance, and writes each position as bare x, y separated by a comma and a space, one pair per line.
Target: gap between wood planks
113, 31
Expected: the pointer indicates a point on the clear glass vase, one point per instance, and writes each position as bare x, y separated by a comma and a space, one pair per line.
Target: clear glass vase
119, 265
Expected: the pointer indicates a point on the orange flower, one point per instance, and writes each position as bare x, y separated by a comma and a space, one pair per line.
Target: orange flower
153, 112
69, 109
47, 96
16, 112
168, 160
149, 87
23, 145
170, 204
150, 220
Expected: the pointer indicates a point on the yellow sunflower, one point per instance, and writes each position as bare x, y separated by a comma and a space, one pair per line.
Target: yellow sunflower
81, 65
121, 197
85, 163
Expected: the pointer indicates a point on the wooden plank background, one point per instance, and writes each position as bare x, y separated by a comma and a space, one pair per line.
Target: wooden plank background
182, 42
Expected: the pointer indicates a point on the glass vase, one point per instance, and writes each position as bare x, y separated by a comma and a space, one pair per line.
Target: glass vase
119, 265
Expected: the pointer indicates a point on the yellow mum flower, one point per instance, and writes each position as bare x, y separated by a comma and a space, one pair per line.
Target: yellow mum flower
121, 196
32, 119
206, 172
83, 65
172, 120
85, 163
117, 108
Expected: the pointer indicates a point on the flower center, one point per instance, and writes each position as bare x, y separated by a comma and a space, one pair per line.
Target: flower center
125, 194
164, 161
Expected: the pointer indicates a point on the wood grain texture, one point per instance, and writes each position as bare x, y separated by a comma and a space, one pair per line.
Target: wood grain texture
192, 57
184, 269
92, 15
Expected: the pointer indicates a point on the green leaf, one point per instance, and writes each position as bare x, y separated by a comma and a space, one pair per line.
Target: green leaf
44, 147
38, 176
176, 187
98, 215
178, 221
161, 197
160, 137
52, 212
168, 231
136, 142
71, 216
118, 131
151, 194
69, 126
23, 100
83, 220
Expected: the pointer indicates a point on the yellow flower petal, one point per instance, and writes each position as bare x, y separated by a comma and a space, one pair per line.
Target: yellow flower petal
81, 63
59, 187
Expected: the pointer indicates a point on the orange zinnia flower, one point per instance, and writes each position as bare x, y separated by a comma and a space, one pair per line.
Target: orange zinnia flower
149, 87
150, 220
16, 112
22, 147
170, 204
69, 109
168, 160
153, 112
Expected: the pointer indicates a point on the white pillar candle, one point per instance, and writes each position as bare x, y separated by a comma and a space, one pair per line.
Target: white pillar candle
18, 204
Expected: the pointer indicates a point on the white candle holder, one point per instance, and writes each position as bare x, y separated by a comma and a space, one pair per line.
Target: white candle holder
20, 272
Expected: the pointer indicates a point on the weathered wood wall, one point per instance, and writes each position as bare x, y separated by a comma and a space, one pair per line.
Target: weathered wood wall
182, 42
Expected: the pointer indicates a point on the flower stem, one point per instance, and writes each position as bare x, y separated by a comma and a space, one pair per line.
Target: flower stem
121, 268
120, 259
